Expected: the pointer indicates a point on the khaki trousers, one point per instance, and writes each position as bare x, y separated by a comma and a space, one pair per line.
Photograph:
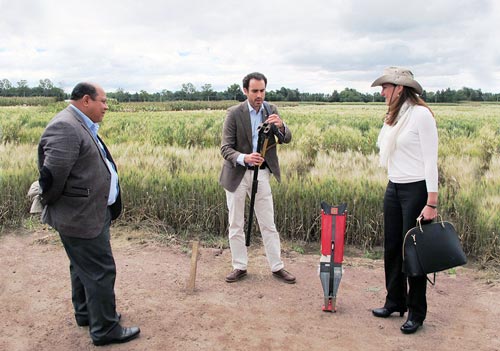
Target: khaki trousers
264, 212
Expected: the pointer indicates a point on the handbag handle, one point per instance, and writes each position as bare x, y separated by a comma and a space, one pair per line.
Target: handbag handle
419, 221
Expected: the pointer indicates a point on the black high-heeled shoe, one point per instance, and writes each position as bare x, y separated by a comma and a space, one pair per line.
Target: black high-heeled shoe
385, 312
410, 327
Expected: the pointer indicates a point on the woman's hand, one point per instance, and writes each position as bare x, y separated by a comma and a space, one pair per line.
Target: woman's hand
428, 213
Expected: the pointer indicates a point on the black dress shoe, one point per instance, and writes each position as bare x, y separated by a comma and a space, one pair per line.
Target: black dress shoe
84, 322
385, 312
126, 334
410, 326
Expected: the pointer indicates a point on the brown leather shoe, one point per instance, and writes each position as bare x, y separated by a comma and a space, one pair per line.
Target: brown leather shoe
287, 277
235, 275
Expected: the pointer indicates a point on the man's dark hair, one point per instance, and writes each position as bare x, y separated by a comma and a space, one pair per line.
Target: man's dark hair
82, 89
254, 75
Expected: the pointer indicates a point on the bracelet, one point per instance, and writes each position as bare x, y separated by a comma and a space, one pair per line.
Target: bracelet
432, 206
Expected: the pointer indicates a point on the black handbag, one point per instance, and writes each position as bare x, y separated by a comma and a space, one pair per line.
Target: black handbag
431, 248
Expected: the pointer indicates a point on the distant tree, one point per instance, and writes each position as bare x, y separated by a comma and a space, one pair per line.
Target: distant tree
156, 96
180, 95
293, 95
282, 94
5, 84
120, 95
350, 95
491, 97
438, 96
335, 96
272, 95
135, 97
463, 94
5, 87
46, 86
23, 88
449, 96
476, 95
58, 93
424, 95
144, 95
314, 97
189, 91
233, 92
207, 91
166, 95
367, 97
378, 98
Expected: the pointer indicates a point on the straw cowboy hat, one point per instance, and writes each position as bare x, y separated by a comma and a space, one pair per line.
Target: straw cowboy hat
398, 76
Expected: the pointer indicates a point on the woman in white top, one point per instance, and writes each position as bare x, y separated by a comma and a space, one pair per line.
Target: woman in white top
408, 144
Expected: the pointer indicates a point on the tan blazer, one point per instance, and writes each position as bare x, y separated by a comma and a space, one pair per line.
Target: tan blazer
74, 178
237, 139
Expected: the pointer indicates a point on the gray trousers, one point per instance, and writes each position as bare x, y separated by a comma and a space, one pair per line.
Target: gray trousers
93, 272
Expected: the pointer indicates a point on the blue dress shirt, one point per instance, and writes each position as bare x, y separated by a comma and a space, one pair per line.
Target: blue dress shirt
94, 128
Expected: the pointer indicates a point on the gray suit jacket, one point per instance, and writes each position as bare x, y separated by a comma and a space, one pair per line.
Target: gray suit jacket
237, 139
74, 178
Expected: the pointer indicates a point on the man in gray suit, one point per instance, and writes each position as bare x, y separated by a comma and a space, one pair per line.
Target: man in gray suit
81, 195
239, 145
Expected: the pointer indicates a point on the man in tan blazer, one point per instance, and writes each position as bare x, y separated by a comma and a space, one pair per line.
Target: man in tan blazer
81, 195
239, 145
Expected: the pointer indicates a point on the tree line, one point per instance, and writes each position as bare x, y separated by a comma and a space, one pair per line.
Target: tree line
21, 89
189, 91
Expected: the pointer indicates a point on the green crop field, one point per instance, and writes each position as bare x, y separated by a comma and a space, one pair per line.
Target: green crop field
169, 163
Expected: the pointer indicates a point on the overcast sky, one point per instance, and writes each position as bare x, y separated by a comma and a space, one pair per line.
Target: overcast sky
313, 46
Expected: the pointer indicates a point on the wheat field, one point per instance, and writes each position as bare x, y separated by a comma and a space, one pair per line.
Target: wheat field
169, 163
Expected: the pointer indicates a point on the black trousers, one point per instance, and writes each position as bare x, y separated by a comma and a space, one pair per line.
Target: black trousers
403, 203
93, 272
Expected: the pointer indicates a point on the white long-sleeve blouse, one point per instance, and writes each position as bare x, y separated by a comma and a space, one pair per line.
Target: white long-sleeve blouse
415, 155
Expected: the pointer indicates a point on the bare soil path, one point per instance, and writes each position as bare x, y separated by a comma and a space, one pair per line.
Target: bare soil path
258, 313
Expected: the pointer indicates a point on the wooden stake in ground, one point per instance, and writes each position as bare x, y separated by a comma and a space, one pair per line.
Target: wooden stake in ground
194, 263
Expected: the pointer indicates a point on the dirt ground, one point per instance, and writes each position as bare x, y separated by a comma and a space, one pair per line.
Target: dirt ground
258, 313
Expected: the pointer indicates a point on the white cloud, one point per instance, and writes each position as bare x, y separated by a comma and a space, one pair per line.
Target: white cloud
316, 46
